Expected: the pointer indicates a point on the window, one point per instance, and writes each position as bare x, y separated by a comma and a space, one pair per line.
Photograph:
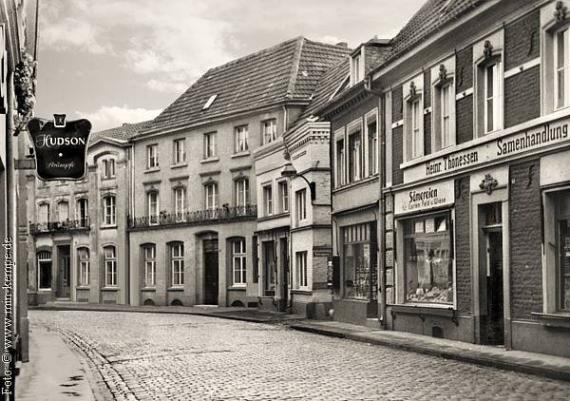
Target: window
238, 262
301, 264
355, 156
428, 266
340, 163
356, 69
301, 198
109, 168
269, 131
211, 195
82, 212
149, 254
415, 128
153, 207
372, 135
43, 213
152, 156
62, 211
443, 107
241, 138
284, 196
109, 210
491, 116
180, 203
44, 270
359, 261
110, 261
177, 264
561, 92
209, 145
179, 151
209, 102
268, 200
242, 192
83, 260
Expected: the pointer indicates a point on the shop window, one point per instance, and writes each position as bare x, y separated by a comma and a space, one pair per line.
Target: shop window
269, 131
149, 255
177, 264
284, 196
340, 163
241, 136
428, 265
83, 261
152, 156
359, 261
179, 151
44, 270
302, 274
239, 266
109, 210
153, 207
268, 200
110, 263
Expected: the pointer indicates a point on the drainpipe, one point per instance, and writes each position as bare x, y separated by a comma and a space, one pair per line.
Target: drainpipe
380, 223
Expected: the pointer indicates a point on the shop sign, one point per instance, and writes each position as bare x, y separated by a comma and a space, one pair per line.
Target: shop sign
538, 137
59, 147
426, 197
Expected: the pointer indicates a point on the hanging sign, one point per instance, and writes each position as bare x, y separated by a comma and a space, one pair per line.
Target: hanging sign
60, 147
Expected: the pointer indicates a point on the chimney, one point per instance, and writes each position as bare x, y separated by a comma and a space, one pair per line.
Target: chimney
342, 44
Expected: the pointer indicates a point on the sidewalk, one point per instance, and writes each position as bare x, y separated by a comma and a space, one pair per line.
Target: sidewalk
526, 362
54, 374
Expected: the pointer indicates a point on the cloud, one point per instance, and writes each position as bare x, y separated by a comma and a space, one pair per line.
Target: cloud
114, 116
167, 86
71, 33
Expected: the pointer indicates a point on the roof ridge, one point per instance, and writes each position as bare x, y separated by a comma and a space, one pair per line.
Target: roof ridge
295, 66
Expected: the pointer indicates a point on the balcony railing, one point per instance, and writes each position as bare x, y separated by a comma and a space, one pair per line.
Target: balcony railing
58, 226
209, 216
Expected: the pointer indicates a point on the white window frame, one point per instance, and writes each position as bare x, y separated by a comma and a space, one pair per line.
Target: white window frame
495, 97
153, 207
211, 196
82, 212
241, 139
152, 156
241, 186
302, 270
110, 264
301, 203
267, 199
43, 213
340, 165
179, 195
109, 210
179, 151
59, 210
210, 145
354, 128
413, 118
83, 263
268, 135
177, 264
372, 167
239, 259
283, 187
109, 168
149, 261
42, 257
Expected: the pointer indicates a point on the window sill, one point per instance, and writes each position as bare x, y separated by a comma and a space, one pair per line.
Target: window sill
114, 288
554, 319
346, 187
302, 291
180, 165
44, 289
106, 227
241, 154
148, 289
82, 287
175, 288
210, 160
241, 287
424, 309
108, 178
152, 170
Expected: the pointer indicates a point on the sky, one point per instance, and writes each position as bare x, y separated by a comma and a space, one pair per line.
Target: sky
117, 61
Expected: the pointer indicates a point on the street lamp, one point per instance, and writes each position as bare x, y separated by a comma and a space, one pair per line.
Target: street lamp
289, 171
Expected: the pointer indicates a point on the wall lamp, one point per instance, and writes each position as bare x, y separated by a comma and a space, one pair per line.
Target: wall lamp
289, 171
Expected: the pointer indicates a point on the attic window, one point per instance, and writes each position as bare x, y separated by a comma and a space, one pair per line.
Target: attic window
209, 102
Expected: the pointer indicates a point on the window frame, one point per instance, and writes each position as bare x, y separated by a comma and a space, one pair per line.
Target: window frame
82, 212
153, 219
177, 264
267, 191
109, 210
272, 134
83, 266
241, 139
59, 211
210, 148
302, 270
110, 262
45, 259
152, 156
179, 202
239, 257
179, 151
356, 154
242, 195
413, 105
149, 265
340, 158
372, 147
213, 196
301, 203
283, 190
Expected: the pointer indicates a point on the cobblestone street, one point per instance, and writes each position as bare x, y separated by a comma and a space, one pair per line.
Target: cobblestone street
182, 357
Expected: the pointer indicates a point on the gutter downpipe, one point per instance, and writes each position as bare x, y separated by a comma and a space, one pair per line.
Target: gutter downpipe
380, 234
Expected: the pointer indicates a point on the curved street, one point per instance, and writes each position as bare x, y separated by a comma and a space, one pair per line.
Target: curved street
148, 356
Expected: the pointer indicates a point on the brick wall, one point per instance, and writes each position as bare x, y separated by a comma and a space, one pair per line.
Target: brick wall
462, 245
522, 41
397, 155
397, 104
464, 69
464, 119
522, 97
427, 88
427, 133
525, 239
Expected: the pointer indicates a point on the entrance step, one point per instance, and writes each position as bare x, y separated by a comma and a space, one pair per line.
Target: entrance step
373, 323
206, 306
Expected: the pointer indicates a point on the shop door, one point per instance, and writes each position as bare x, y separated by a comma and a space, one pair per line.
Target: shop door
493, 332
269, 268
63, 272
211, 272
283, 245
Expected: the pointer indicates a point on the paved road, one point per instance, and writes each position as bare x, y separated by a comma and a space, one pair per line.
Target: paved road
182, 357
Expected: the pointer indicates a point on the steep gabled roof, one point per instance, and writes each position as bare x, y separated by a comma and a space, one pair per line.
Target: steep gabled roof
430, 18
288, 71
121, 134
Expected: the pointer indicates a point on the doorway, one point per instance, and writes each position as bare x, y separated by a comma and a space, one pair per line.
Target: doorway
491, 275
269, 268
284, 248
63, 271
211, 272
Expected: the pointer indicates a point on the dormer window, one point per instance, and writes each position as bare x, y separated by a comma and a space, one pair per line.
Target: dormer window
357, 68
209, 102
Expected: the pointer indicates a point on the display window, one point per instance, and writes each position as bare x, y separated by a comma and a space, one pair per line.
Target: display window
359, 261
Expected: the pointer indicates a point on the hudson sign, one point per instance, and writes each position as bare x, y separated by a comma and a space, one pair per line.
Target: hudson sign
520, 142
426, 197
60, 147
